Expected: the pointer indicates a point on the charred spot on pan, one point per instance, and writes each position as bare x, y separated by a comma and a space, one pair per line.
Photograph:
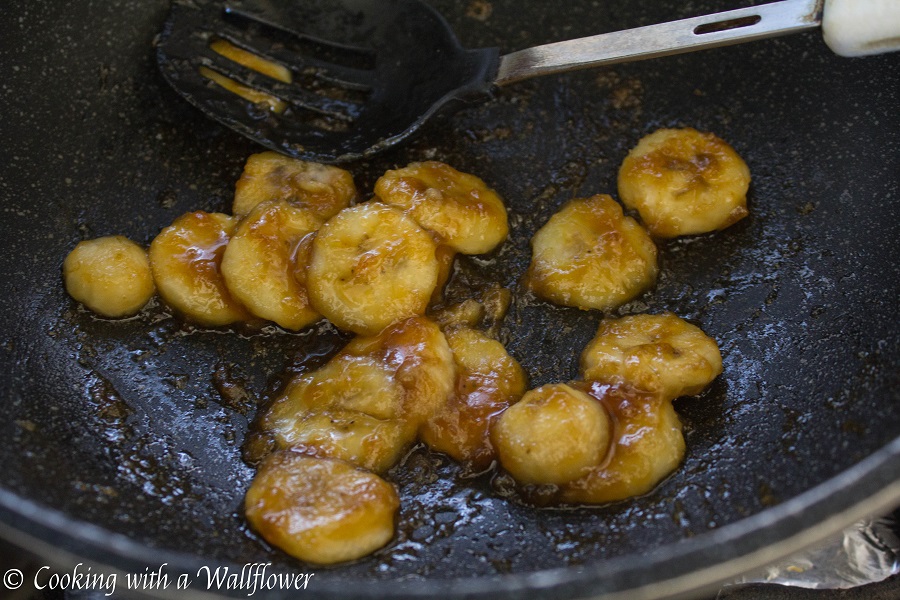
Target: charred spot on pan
767, 496
480, 10
107, 403
233, 389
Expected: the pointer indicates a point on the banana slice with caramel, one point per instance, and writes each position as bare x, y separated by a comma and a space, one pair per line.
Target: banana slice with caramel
370, 266
351, 408
461, 210
320, 510
590, 255
658, 353
260, 263
323, 190
555, 434
590, 442
646, 446
488, 381
366, 404
684, 182
186, 259
109, 275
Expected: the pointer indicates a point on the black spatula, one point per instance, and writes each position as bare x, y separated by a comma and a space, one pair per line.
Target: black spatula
365, 74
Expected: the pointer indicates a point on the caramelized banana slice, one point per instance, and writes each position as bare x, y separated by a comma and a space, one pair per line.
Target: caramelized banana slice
320, 510
421, 360
351, 408
186, 260
658, 353
367, 402
554, 435
321, 189
260, 261
590, 255
109, 275
684, 182
488, 381
459, 208
363, 440
647, 445
371, 266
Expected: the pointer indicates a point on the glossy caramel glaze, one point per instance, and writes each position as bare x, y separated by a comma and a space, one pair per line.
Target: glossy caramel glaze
321, 189
488, 381
186, 260
662, 353
459, 208
554, 435
590, 255
251, 61
647, 445
370, 266
320, 510
366, 404
684, 182
260, 263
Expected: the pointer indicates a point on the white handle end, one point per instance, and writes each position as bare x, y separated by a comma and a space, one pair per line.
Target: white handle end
861, 27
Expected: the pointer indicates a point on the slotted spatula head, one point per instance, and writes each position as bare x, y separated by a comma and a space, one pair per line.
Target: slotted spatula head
364, 74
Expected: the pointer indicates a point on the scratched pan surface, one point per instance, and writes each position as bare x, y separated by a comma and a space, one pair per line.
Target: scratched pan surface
117, 445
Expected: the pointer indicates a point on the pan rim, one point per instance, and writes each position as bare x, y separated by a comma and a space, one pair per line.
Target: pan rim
678, 569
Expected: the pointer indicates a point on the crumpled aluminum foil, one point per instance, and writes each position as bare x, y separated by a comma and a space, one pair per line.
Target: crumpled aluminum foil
867, 552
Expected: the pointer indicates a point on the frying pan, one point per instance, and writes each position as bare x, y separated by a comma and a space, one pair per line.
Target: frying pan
120, 441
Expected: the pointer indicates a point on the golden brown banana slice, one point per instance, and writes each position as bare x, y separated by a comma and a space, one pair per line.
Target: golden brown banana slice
371, 266
555, 434
186, 260
590, 255
349, 381
109, 275
321, 189
459, 208
261, 260
658, 353
647, 445
684, 182
367, 402
488, 381
320, 510
351, 408
363, 440
422, 363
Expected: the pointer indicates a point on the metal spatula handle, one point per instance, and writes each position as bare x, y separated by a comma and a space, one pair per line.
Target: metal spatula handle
880, 18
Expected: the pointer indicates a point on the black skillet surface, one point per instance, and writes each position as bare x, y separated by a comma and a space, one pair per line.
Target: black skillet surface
120, 425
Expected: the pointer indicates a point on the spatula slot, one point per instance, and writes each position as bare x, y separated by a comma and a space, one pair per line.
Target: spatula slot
258, 98
318, 80
298, 43
727, 25
259, 89
250, 59
313, 79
